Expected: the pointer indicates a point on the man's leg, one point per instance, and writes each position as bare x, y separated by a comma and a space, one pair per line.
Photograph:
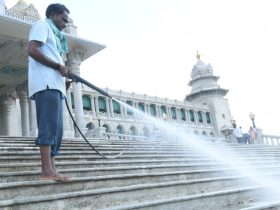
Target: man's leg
47, 169
47, 119
53, 164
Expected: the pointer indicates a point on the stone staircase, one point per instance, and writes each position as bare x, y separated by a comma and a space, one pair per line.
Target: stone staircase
149, 175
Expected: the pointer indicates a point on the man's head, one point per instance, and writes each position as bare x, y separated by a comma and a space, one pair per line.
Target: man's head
58, 13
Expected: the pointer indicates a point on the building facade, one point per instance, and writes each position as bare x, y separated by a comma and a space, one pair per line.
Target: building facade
204, 111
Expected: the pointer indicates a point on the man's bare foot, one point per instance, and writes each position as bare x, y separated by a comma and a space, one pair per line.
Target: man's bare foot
56, 177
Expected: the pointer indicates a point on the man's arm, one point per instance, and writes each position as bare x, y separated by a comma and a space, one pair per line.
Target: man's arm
36, 54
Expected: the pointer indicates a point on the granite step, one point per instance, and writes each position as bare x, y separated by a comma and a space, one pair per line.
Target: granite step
190, 186
217, 200
13, 167
149, 196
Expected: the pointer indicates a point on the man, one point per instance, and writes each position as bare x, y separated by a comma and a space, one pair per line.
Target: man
46, 80
238, 134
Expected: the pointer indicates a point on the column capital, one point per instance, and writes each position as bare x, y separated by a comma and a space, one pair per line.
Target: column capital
76, 56
21, 89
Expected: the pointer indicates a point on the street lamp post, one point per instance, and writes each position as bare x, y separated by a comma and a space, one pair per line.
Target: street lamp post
252, 117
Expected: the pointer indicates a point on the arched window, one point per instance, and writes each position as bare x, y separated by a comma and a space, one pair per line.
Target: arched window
183, 114
173, 113
200, 118
116, 107
153, 110
102, 104
120, 130
129, 108
208, 119
162, 110
191, 113
86, 102
108, 130
133, 131
141, 107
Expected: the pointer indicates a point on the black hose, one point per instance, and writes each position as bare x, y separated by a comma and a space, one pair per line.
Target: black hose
75, 124
76, 78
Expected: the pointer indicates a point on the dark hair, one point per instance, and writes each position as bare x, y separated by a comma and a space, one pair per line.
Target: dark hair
56, 9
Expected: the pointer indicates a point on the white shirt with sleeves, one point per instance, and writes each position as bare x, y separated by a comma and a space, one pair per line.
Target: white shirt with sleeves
41, 77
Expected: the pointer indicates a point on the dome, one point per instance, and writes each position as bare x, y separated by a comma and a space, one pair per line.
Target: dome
22, 8
201, 69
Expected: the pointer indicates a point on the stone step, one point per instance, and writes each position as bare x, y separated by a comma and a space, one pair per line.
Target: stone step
11, 150
129, 142
195, 186
224, 199
96, 159
132, 165
173, 175
18, 151
169, 173
169, 197
264, 205
5, 167
13, 167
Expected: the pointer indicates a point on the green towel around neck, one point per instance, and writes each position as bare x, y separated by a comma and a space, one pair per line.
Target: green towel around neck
61, 42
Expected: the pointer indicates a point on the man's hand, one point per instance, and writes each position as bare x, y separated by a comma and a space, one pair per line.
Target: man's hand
68, 84
64, 71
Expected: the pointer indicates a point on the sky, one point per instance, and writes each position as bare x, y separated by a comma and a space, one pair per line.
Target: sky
151, 49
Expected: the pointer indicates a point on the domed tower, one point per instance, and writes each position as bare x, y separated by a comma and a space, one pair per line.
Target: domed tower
206, 90
22, 8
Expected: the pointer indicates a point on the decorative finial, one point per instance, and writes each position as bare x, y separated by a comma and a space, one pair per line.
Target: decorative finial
197, 55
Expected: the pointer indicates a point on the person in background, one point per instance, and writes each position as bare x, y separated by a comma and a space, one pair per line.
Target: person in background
47, 48
238, 134
253, 135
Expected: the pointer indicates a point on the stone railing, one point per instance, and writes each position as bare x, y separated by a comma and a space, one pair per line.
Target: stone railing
270, 139
16, 16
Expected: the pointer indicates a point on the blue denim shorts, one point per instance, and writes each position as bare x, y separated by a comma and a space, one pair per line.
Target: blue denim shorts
49, 114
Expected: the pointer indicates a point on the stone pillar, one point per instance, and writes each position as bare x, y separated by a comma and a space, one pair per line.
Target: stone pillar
74, 62
24, 109
123, 112
111, 107
92, 101
96, 105
9, 125
32, 118
68, 129
147, 108
187, 115
178, 114
157, 111
169, 113
108, 107
136, 115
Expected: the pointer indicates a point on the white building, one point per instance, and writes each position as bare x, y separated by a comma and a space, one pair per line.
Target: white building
205, 110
